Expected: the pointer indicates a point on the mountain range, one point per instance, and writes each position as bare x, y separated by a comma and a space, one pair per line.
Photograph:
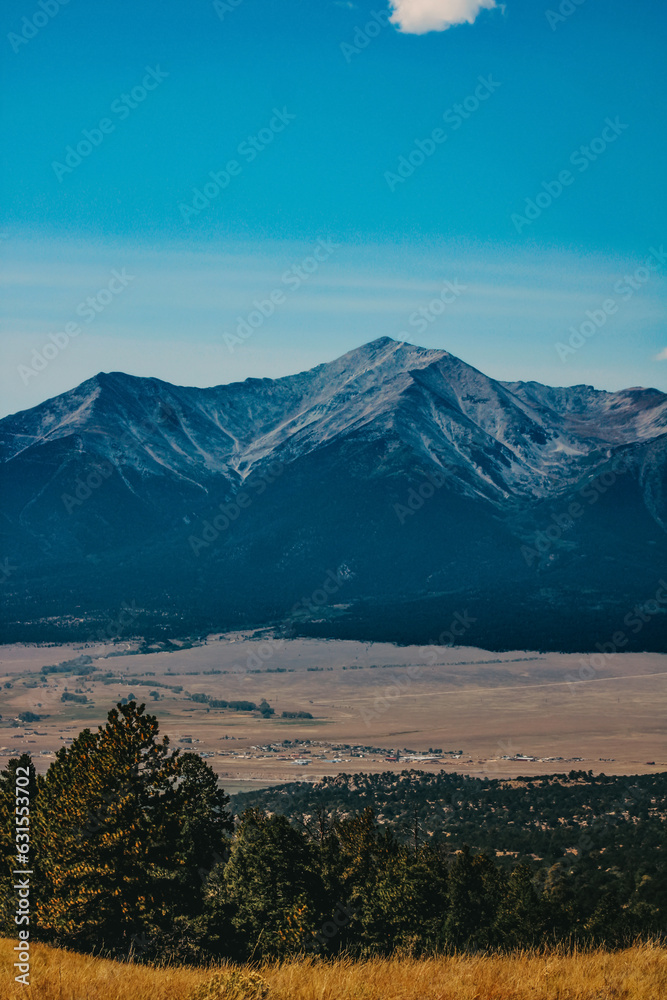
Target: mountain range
396, 493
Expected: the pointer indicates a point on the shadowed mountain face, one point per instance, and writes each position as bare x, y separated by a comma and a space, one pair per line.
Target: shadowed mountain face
374, 497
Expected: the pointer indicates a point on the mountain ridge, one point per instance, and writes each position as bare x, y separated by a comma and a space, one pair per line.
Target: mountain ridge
351, 438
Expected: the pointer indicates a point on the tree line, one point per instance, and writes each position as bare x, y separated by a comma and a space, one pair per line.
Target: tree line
542, 817
135, 852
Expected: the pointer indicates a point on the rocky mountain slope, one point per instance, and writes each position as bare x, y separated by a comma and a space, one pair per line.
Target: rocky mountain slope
413, 483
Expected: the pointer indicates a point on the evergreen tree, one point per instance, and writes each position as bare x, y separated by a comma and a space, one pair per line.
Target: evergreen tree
519, 920
132, 852
405, 907
474, 891
273, 886
121, 820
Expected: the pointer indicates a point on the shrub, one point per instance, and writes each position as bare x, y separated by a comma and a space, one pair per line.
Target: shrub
232, 984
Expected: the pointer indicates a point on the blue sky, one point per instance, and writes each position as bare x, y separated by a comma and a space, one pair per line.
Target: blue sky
321, 106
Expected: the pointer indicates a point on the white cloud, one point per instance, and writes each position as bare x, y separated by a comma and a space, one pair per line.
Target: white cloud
662, 356
416, 17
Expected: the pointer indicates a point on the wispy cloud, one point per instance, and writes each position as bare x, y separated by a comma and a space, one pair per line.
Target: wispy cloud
662, 356
416, 17
171, 320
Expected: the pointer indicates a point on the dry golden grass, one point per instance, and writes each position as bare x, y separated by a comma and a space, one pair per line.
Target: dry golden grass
638, 973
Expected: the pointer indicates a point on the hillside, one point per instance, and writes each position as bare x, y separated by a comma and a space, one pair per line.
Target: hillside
374, 496
134, 848
631, 974
615, 821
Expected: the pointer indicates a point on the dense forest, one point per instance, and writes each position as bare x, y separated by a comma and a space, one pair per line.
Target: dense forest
532, 819
134, 851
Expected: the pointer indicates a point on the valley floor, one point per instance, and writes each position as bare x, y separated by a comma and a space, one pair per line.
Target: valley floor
638, 973
492, 714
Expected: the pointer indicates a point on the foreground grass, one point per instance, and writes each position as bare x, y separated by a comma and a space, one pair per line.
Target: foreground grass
638, 973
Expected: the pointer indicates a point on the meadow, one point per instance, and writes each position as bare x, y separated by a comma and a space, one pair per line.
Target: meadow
637, 973
605, 713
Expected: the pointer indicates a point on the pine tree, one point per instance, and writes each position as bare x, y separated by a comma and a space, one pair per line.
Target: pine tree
474, 891
273, 886
124, 825
519, 921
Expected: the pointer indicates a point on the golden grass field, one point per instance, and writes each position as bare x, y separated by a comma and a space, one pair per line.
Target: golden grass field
638, 973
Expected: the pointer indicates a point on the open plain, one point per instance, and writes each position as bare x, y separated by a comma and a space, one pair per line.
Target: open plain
374, 706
